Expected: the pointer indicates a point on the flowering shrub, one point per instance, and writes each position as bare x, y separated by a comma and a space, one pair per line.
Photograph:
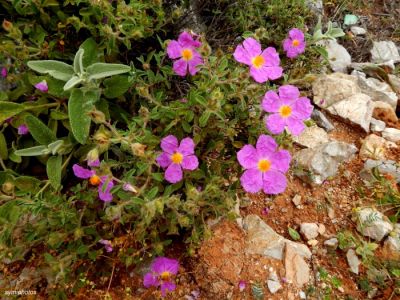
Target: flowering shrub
162, 150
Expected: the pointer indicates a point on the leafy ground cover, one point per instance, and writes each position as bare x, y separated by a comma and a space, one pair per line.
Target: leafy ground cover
129, 129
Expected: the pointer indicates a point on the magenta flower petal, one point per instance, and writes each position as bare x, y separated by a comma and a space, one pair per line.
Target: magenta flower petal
185, 39
174, 50
259, 75
23, 129
274, 72
252, 47
194, 63
169, 144
164, 160
271, 102
288, 93
173, 174
81, 172
4, 72
281, 161
295, 125
186, 146
150, 279
42, 86
247, 157
265, 145
105, 188
180, 67
107, 245
167, 286
190, 162
93, 163
302, 108
242, 285
296, 34
165, 264
275, 123
241, 55
274, 182
252, 181
271, 57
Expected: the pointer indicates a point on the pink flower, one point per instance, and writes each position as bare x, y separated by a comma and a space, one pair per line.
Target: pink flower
242, 285
265, 211
161, 272
177, 157
107, 245
287, 109
129, 188
265, 167
295, 43
104, 182
184, 51
23, 129
42, 86
264, 65
4, 72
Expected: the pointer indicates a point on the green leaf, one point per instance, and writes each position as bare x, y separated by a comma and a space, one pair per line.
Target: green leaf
102, 70
54, 168
78, 61
3, 147
39, 131
79, 105
158, 176
116, 86
72, 82
90, 55
33, 151
294, 234
27, 183
204, 118
9, 109
54, 68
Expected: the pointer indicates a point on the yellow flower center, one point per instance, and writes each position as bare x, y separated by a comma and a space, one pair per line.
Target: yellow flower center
285, 111
264, 165
258, 61
94, 180
177, 158
295, 43
165, 275
187, 54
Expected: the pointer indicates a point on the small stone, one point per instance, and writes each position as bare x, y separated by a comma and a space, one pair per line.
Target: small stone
321, 120
373, 223
353, 261
312, 243
391, 134
302, 295
296, 200
332, 243
391, 247
321, 229
341, 289
385, 51
309, 230
375, 147
338, 57
377, 125
331, 213
311, 137
297, 270
358, 30
273, 283
384, 112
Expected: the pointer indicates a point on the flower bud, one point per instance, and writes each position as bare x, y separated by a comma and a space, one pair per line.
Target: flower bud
102, 139
138, 149
97, 116
7, 187
7, 25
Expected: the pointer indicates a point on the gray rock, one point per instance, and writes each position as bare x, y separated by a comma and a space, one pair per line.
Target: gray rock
332, 243
385, 52
377, 125
353, 261
391, 134
356, 30
311, 137
273, 283
262, 239
391, 247
316, 6
357, 109
297, 269
376, 89
309, 230
296, 200
332, 88
317, 164
374, 147
373, 224
321, 120
338, 57
383, 166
